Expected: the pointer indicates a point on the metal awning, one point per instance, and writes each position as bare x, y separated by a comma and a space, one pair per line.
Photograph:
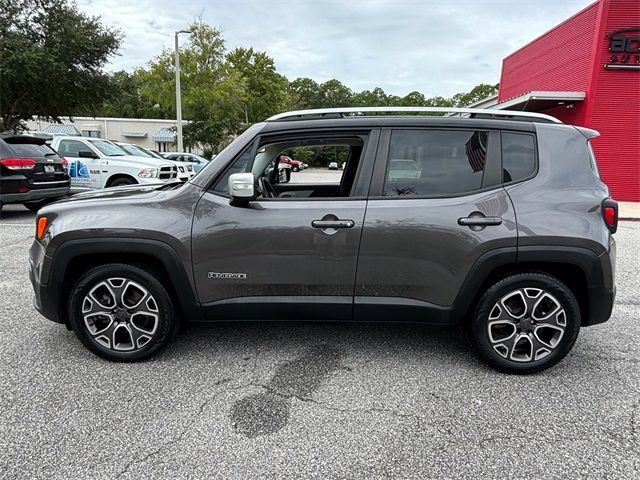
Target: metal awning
164, 135
540, 101
62, 130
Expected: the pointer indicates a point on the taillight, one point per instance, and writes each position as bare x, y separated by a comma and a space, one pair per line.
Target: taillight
41, 227
18, 163
65, 163
610, 214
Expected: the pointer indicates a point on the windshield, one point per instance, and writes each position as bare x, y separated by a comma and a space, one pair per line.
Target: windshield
108, 148
135, 150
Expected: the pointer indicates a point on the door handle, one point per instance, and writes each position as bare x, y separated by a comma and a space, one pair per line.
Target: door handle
479, 221
332, 224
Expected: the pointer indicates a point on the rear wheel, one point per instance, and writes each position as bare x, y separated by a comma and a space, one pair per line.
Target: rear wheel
121, 312
525, 323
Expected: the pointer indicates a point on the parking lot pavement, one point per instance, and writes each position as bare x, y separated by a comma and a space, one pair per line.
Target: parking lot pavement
286, 400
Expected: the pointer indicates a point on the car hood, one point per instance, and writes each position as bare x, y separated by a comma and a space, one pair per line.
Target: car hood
120, 192
143, 161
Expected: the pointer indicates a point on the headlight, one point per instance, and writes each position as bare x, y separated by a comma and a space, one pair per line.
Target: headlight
148, 173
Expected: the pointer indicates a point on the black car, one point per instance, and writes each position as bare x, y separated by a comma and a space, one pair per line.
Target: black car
31, 172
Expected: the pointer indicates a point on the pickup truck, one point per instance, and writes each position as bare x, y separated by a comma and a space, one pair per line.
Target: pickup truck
96, 163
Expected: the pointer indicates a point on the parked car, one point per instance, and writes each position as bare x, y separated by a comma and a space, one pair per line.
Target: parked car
185, 170
508, 232
196, 161
95, 163
296, 165
31, 172
333, 166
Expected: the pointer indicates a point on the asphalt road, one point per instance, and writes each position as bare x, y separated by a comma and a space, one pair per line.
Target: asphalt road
312, 400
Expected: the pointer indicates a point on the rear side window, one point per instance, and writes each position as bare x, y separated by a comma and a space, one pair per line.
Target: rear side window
518, 156
435, 163
592, 160
72, 148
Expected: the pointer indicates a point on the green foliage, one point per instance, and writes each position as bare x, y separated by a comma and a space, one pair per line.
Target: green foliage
52, 56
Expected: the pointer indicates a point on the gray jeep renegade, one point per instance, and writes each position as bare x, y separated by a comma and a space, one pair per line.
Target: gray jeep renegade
494, 220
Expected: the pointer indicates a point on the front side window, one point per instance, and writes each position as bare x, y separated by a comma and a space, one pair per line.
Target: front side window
435, 163
518, 156
333, 164
108, 148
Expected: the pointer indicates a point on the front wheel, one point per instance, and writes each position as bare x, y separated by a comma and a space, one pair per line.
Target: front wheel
525, 323
121, 312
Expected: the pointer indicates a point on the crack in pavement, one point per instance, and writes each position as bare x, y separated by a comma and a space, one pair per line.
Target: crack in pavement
175, 440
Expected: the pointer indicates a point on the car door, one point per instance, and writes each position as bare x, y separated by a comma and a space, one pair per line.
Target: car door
282, 257
85, 172
423, 231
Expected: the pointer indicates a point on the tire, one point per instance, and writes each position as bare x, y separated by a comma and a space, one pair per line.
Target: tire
119, 182
295, 169
125, 334
545, 330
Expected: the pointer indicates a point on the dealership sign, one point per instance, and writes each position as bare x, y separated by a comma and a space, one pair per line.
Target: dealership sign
624, 45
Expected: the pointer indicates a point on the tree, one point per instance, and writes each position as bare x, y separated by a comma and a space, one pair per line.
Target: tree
51, 61
477, 93
264, 91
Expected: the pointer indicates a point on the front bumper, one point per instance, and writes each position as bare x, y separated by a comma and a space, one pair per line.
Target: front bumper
47, 297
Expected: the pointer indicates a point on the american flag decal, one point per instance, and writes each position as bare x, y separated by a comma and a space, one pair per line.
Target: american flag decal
476, 148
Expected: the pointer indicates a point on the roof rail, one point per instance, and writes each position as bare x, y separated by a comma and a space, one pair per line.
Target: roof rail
341, 112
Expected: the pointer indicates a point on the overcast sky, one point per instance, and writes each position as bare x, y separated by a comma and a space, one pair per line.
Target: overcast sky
436, 47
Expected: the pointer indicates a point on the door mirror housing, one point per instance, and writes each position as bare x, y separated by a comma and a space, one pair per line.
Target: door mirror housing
242, 187
87, 154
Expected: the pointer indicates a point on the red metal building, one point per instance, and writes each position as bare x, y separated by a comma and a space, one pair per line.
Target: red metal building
586, 71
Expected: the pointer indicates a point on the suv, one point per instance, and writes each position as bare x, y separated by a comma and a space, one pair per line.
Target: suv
31, 172
195, 161
95, 163
507, 230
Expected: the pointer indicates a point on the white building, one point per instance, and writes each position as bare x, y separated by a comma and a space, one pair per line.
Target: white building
155, 134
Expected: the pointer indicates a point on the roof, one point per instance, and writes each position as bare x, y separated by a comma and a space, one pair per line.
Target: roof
345, 112
164, 135
63, 130
537, 101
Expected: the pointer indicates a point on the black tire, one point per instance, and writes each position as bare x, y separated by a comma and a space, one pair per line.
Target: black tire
165, 328
119, 182
506, 289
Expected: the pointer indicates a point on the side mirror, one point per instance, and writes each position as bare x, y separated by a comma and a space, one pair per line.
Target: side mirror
87, 154
242, 187
284, 175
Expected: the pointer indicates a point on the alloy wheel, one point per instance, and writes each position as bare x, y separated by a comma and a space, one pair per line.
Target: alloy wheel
526, 325
120, 314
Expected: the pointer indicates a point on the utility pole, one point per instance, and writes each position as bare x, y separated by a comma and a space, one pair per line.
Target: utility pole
178, 93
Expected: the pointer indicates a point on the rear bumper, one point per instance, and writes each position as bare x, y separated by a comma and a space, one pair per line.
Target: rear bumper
34, 195
600, 305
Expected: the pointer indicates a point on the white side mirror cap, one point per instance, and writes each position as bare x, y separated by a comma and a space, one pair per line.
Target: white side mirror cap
242, 186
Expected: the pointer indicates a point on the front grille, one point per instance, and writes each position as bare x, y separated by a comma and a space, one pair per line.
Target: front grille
168, 172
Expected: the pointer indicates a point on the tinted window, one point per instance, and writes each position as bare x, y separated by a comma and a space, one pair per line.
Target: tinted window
72, 148
518, 156
31, 150
435, 162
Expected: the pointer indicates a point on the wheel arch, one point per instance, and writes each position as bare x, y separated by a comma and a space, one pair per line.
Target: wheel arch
75, 257
117, 176
578, 268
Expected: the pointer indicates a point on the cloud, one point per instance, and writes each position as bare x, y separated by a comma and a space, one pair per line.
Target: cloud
435, 47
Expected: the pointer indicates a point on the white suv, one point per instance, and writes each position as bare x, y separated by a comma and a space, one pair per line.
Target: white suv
97, 163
